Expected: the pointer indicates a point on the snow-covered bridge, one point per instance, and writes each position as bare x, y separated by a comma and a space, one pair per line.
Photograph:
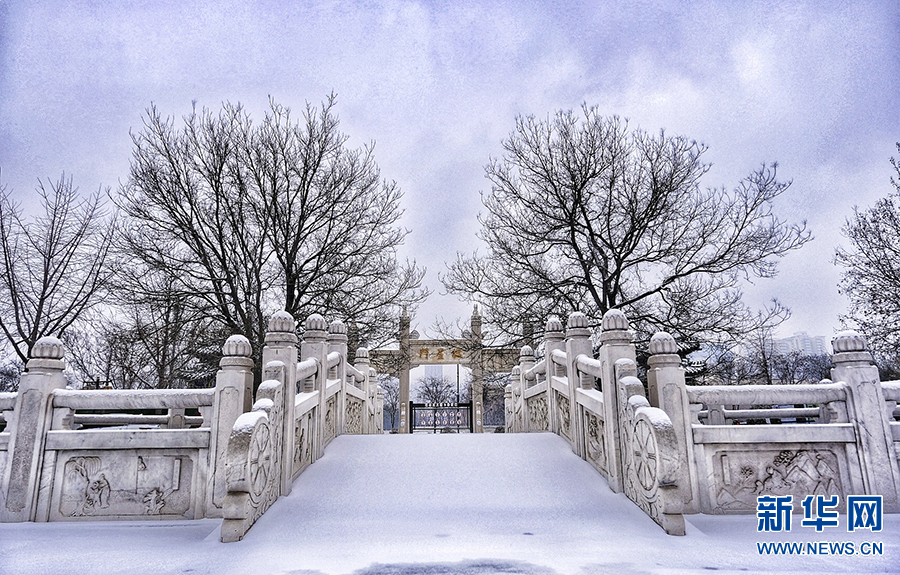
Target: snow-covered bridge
461, 503
436, 504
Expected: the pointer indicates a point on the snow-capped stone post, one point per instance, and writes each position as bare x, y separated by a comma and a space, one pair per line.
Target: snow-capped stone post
665, 381
28, 430
477, 367
509, 417
554, 338
361, 364
337, 342
234, 393
854, 366
281, 347
520, 407
615, 344
379, 401
403, 397
578, 342
313, 347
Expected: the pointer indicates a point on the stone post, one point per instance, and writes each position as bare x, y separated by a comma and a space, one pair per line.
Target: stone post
477, 365
337, 341
554, 338
313, 347
665, 380
578, 342
403, 408
867, 411
508, 401
615, 344
28, 429
520, 405
281, 345
379, 402
361, 363
234, 390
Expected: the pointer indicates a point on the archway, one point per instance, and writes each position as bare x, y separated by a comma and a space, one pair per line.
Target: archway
468, 351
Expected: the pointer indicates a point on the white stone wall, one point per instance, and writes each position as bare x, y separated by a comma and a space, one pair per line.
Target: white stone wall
681, 449
199, 456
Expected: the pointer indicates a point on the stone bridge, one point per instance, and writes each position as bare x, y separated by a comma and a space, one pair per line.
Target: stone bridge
672, 449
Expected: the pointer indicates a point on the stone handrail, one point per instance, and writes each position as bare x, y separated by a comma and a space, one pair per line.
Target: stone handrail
782, 413
766, 394
133, 398
307, 368
558, 357
115, 419
891, 390
589, 366
682, 449
170, 465
7, 400
540, 368
357, 375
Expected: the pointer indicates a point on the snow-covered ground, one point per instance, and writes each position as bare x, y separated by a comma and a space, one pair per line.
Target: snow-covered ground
436, 504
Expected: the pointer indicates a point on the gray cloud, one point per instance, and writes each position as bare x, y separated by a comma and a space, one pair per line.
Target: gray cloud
812, 85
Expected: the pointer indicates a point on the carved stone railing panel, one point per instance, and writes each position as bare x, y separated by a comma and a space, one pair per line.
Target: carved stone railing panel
538, 413
330, 419
739, 476
563, 415
651, 458
353, 422
303, 434
252, 467
124, 484
595, 449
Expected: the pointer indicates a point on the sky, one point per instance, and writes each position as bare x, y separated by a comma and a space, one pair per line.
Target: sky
444, 504
437, 86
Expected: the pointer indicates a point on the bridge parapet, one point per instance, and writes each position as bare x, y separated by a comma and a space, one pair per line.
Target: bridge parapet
712, 449
181, 453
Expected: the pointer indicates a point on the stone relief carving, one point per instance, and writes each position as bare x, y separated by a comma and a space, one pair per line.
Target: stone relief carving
595, 450
741, 476
301, 444
354, 416
96, 487
330, 422
254, 464
538, 413
125, 484
154, 501
562, 403
649, 456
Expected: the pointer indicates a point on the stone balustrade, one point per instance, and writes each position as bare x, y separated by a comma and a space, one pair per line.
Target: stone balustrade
183, 454
675, 449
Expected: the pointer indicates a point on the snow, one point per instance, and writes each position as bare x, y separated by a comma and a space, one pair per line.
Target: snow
436, 504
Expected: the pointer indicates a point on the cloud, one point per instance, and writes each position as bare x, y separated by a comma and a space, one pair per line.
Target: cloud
437, 85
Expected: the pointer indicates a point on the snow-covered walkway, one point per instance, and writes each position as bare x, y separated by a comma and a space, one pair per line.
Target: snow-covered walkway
435, 504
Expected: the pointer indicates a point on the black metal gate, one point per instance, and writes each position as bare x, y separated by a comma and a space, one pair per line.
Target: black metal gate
441, 417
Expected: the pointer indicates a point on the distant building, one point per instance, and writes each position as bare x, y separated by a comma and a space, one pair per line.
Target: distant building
804, 343
434, 371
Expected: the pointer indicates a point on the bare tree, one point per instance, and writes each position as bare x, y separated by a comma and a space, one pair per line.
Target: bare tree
871, 276
53, 266
10, 369
244, 219
390, 386
798, 367
585, 214
434, 389
150, 344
